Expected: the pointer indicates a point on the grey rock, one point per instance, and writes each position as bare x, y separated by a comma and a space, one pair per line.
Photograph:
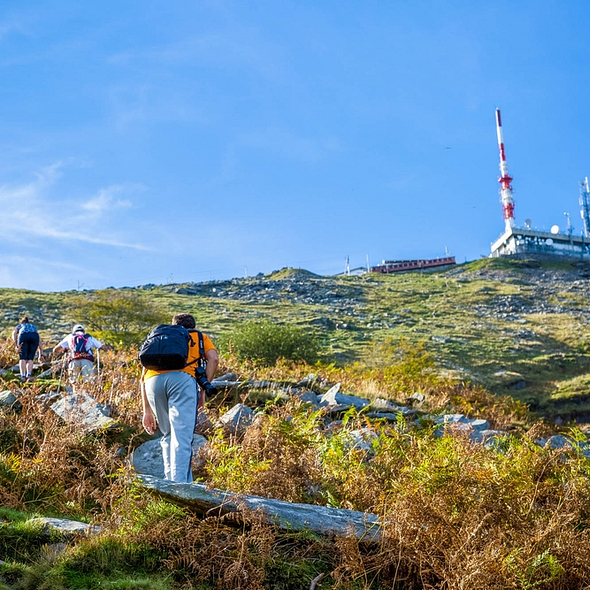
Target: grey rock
147, 458
417, 397
557, 441
47, 398
333, 397
389, 416
362, 439
441, 339
8, 400
383, 405
82, 411
227, 377
63, 526
286, 515
484, 437
451, 419
307, 397
238, 418
311, 379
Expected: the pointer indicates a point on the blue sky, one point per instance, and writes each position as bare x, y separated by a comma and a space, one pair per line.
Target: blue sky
171, 141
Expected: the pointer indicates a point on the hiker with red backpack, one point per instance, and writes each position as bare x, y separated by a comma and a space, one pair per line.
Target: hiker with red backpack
79, 345
178, 364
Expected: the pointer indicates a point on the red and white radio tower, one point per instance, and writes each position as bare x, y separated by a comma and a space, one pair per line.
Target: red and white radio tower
505, 179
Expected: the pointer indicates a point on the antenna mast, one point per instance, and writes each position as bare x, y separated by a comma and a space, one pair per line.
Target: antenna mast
504, 180
585, 206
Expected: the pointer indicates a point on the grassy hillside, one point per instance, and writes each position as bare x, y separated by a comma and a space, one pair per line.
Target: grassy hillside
518, 327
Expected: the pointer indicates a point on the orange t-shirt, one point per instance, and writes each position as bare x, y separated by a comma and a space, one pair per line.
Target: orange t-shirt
193, 355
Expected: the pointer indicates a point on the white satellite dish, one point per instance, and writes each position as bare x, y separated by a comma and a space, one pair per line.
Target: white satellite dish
555, 229
549, 242
527, 223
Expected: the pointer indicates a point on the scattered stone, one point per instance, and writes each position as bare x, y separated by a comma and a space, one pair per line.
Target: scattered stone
8, 400
227, 377
516, 385
47, 398
64, 526
238, 418
285, 515
82, 411
557, 441
362, 439
485, 437
389, 416
308, 381
441, 339
147, 458
384, 405
417, 397
307, 397
339, 401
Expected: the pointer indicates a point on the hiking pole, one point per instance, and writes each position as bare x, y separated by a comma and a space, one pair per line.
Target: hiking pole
98, 363
63, 364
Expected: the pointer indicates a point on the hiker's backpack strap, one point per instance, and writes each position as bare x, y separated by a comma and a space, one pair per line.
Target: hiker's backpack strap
201, 361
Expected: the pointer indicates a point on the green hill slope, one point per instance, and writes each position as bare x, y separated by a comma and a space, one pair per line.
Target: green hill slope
518, 327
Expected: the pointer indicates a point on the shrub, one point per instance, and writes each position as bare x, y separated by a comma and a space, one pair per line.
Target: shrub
267, 342
118, 318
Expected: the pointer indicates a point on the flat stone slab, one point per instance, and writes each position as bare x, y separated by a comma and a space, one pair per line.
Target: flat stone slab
147, 458
81, 410
64, 526
286, 515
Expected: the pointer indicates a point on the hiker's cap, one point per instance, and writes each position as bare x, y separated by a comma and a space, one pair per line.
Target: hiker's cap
78, 328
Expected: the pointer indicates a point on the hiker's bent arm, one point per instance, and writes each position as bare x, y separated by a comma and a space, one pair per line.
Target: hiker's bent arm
58, 349
15, 338
212, 362
149, 420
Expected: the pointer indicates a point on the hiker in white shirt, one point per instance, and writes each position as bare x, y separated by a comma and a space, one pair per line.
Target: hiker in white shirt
79, 346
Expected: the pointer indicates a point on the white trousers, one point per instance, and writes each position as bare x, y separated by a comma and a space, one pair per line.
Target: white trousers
173, 398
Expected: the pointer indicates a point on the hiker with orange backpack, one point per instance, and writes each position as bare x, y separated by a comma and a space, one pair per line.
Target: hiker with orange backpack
79, 345
178, 364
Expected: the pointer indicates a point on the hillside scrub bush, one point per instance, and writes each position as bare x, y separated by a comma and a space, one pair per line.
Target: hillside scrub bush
119, 318
266, 342
455, 514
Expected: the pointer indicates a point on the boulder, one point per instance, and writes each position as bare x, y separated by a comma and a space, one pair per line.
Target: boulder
307, 397
385, 406
238, 418
362, 439
63, 526
82, 411
8, 400
147, 458
341, 401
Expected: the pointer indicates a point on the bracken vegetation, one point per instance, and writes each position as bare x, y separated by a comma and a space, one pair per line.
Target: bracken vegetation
455, 515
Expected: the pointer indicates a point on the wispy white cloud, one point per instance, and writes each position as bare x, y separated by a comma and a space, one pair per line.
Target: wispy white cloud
107, 200
31, 211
